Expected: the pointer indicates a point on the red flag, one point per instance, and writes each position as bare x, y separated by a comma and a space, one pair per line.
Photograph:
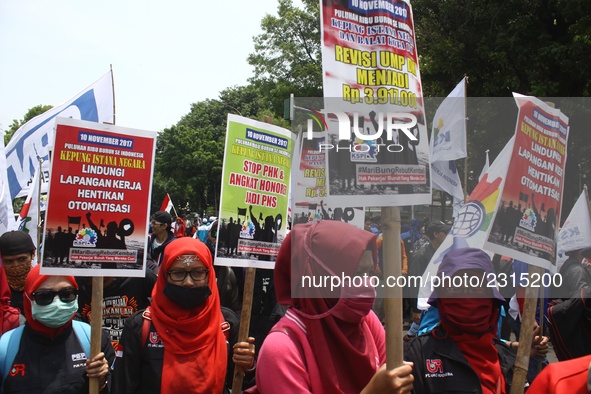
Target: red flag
166, 204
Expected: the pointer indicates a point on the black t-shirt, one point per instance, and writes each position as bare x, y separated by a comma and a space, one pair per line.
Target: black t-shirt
16, 299
121, 299
45, 365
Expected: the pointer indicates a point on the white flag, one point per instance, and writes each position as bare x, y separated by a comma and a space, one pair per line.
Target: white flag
448, 141
485, 168
6, 211
95, 104
576, 232
444, 176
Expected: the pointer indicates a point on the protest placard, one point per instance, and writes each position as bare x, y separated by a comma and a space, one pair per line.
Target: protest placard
254, 193
99, 200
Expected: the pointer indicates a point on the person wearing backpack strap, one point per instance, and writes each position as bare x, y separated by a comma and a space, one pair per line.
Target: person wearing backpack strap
185, 350
49, 354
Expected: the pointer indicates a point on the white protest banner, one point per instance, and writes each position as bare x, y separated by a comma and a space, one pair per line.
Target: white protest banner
448, 137
95, 104
575, 233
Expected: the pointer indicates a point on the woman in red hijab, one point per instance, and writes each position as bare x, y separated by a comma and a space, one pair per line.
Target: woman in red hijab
10, 315
50, 356
329, 340
178, 346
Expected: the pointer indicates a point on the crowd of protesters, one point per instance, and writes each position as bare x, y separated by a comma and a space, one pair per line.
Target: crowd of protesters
178, 330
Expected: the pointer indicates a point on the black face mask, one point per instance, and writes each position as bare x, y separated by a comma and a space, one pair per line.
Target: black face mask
187, 297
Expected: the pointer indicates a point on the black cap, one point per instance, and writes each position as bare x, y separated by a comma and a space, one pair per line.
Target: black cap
162, 217
16, 242
437, 226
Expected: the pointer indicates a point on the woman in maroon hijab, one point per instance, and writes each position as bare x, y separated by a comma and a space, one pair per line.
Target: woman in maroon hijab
329, 340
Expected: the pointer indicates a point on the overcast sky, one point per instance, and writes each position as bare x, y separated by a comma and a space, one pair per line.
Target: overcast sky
165, 55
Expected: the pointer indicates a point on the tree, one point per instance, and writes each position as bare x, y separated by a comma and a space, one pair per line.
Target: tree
287, 57
534, 47
31, 113
190, 154
18, 203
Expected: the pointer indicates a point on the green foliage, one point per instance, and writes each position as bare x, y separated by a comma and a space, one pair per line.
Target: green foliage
189, 155
31, 113
534, 47
287, 57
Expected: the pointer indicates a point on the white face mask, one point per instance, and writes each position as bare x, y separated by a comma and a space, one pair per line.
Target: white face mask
55, 314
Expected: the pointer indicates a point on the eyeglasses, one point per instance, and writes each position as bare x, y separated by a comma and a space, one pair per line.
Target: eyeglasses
196, 274
45, 297
155, 224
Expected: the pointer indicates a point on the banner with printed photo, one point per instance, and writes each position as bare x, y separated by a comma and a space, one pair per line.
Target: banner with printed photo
254, 193
309, 188
99, 200
376, 143
95, 104
474, 221
526, 225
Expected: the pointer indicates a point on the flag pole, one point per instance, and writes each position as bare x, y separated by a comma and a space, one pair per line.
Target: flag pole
113, 88
466, 128
526, 333
392, 294
176, 215
39, 208
246, 313
541, 324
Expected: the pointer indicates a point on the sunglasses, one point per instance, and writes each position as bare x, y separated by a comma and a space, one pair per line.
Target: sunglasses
196, 274
46, 297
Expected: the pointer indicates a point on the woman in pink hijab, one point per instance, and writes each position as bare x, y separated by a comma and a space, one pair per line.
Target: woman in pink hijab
329, 340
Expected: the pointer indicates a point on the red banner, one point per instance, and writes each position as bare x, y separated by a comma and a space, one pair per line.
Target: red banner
101, 175
528, 216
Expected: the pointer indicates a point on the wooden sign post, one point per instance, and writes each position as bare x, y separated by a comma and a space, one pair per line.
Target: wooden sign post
393, 295
96, 328
244, 323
